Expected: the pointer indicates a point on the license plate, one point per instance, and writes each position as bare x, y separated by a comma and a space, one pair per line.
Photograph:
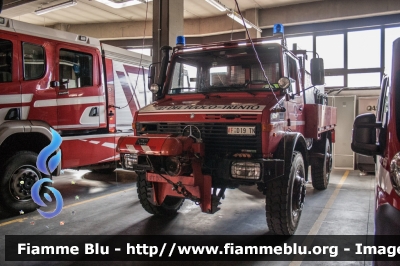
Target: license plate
242, 131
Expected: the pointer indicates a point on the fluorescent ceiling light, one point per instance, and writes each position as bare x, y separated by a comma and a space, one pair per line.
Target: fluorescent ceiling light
235, 16
55, 7
239, 20
122, 3
217, 4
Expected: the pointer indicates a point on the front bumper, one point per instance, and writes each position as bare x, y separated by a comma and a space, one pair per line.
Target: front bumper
387, 220
269, 168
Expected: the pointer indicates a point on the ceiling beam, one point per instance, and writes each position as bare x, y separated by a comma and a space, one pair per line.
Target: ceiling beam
13, 3
299, 14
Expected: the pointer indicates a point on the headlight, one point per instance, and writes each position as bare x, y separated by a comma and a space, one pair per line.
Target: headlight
395, 173
245, 170
129, 160
274, 117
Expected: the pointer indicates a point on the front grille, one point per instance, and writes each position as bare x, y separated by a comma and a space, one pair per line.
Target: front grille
214, 136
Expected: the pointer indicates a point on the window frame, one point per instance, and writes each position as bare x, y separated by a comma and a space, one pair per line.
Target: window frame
76, 52
11, 63
23, 61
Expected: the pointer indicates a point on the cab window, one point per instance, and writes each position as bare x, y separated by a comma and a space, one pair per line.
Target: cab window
5, 60
184, 79
76, 69
34, 61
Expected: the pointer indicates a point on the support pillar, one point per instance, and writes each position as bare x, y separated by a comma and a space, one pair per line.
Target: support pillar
252, 16
167, 24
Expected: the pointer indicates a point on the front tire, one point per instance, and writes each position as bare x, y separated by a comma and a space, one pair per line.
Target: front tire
321, 167
169, 207
285, 198
18, 174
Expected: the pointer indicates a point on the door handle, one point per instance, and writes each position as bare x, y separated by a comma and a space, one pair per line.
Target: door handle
63, 93
94, 112
13, 114
54, 83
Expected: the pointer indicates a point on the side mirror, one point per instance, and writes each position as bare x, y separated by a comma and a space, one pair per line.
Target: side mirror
317, 71
152, 73
284, 83
154, 88
364, 135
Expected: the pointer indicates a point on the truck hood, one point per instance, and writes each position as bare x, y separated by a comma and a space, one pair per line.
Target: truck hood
212, 104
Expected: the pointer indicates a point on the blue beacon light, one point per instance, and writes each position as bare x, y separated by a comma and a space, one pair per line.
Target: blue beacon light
180, 41
278, 29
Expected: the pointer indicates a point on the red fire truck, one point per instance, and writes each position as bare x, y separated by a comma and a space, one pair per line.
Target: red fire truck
229, 114
379, 136
85, 90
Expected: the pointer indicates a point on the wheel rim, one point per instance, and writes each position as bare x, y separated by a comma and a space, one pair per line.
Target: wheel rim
22, 181
299, 193
328, 162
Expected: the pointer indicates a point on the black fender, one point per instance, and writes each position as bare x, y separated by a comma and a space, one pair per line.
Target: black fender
292, 141
319, 145
9, 128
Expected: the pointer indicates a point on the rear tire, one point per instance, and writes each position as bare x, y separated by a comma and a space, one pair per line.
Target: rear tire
321, 167
170, 206
18, 174
285, 198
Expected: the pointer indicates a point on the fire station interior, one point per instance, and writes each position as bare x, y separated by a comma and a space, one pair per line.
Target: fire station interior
354, 39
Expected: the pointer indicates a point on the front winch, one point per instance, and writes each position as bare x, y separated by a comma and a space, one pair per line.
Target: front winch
171, 161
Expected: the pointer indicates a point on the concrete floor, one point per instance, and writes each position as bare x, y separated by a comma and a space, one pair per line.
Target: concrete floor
100, 204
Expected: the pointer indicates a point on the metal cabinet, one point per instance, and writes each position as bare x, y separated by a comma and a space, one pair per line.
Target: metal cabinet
343, 156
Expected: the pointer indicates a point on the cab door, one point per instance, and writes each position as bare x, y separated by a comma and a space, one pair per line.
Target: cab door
80, 97
382, 175
36, 70
295, 104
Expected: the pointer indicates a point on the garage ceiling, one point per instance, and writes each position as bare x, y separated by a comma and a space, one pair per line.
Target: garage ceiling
92, 11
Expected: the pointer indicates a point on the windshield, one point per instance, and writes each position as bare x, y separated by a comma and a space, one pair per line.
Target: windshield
225, 70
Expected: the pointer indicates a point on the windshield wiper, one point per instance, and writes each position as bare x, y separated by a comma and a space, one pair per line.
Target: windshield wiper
231, 87
238, 85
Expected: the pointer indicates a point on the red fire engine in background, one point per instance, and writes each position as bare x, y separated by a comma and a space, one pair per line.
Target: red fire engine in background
231, 114
85, 90
379, 136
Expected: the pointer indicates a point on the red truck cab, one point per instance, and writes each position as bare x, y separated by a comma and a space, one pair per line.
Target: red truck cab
379, 136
